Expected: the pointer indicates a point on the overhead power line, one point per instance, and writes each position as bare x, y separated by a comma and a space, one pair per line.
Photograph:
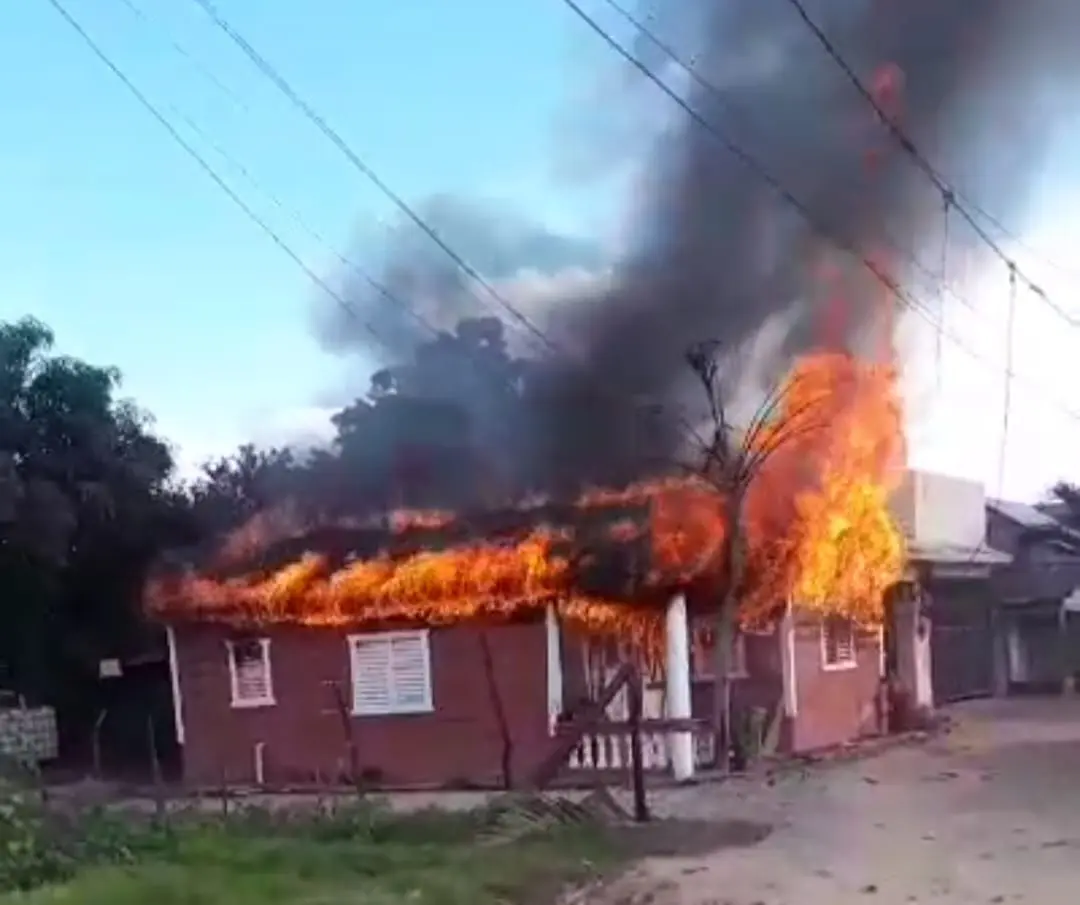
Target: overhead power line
209, 170
283, 85
948, 193
197, 64
293, 214
247, 175
740, 114
216, 178
759, 170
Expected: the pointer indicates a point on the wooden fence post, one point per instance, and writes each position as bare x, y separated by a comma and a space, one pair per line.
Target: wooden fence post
637, 765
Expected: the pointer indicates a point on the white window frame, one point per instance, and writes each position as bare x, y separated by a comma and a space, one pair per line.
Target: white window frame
850, 661
267, 699
392, 708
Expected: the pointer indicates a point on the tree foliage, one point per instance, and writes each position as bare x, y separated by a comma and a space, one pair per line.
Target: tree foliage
85, 503
89, 497
1063, 533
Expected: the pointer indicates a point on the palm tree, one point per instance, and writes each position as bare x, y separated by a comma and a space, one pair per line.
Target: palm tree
730, 460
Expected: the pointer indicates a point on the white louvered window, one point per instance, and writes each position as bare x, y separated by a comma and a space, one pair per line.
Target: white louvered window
838, 643
391, 673
250, 677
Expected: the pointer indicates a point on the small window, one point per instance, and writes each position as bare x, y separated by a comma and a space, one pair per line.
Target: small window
838, 643
391, 673
250, 676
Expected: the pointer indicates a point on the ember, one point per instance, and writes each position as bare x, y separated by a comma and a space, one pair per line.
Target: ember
817, 525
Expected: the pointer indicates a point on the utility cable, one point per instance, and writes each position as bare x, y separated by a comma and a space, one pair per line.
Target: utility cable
282, 84
735, 112
203, 70
948, 193
205, 166
294, 215
236, 165
759, 170
945, 219
1007, 408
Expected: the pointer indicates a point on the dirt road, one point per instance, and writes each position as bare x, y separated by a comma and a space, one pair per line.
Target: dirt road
989, 813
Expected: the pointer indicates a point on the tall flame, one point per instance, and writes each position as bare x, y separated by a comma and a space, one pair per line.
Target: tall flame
816, 522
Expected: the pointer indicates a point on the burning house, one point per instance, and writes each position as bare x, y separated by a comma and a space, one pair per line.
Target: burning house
440, 649
445, 651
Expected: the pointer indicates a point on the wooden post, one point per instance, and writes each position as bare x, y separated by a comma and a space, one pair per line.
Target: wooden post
155, 769
637, 765
1068, 684
95, 744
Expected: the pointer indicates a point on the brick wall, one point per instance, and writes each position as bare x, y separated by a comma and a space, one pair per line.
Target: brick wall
303, 735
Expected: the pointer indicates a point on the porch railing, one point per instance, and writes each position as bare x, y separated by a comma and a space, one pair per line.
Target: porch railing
607, 745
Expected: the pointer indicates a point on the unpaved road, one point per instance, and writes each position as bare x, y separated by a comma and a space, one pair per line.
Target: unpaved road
989, 813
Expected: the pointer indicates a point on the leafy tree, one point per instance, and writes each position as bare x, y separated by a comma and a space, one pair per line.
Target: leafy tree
231, 489
85, 503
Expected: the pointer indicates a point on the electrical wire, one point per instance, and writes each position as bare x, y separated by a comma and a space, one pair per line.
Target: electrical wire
890, 284
206, 167
757, 169
294, 215
945, 218
309, 112
948, 193
203, 70
734, 112
1007, 408
236, 165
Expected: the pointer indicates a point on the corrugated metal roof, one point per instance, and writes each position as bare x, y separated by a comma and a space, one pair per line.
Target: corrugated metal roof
954, 554
1023, 513
1051, 580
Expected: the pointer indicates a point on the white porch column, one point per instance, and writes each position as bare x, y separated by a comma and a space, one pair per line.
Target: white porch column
786, 639
677, 672
554, 666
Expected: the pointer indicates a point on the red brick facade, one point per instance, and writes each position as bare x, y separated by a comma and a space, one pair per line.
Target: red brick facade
302, 733
301, 738
834, 706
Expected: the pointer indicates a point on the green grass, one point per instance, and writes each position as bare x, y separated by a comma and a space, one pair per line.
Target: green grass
362, 855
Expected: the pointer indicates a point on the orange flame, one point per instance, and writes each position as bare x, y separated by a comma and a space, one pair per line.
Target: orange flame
816, 523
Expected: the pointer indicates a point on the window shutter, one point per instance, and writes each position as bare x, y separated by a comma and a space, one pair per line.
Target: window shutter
409, 672
251, 684
372, 684
251, 671
845, 643
839, 637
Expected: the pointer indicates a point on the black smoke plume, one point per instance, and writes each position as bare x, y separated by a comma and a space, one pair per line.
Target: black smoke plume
978, 85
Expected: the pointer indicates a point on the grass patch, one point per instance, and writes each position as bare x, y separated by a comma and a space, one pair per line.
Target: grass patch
357, 855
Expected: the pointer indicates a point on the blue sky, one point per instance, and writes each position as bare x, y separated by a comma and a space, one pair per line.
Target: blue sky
116, 239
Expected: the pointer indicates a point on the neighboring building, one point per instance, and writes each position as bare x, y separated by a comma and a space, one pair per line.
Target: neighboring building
1039, 622
945, 522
